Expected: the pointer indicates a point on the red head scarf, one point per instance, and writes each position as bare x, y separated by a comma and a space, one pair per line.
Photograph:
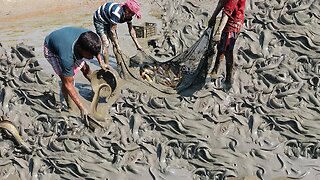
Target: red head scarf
134, 6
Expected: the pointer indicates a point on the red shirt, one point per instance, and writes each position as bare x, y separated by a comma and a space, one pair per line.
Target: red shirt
235, 10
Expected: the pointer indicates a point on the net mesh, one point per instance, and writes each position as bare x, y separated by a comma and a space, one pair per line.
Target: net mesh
189, 68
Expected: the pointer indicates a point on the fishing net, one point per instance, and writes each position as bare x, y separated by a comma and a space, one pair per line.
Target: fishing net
187, 69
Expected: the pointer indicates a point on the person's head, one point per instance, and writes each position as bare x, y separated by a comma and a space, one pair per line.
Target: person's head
132, 8
89, 44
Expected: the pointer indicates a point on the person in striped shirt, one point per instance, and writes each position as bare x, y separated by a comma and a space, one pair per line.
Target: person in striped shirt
105, 20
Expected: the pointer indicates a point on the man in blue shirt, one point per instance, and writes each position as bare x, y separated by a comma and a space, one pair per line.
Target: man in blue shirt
66, 50
105, 21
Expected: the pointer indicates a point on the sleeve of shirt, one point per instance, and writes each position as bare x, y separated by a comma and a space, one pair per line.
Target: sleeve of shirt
114, 19
229, 7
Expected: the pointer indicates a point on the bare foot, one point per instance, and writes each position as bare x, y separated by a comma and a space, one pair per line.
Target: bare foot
227, 85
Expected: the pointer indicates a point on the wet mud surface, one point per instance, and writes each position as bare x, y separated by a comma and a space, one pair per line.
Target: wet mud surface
266, 126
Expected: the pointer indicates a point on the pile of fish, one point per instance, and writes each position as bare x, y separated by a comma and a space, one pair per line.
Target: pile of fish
267, 125
181, 72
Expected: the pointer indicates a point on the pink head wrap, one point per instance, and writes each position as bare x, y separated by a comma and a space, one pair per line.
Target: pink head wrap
134, 6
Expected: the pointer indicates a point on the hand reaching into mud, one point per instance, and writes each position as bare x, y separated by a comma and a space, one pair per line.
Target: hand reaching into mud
83, 113
84, 116
105, 67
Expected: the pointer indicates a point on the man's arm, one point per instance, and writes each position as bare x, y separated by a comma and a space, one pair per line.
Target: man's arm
103, 65
114, 37
215, 13
133, 35
70, 90
100, 60
223, 22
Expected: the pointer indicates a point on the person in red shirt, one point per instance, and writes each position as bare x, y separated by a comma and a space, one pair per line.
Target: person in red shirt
232, 19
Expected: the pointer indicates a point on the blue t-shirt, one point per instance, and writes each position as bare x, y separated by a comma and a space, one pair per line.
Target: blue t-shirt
61, 42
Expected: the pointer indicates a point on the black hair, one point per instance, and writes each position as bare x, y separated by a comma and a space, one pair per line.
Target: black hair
90, 41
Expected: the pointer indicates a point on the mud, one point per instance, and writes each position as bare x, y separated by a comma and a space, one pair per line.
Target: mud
265, 127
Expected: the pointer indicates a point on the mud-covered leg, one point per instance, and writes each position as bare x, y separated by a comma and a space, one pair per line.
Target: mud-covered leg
105, 47
229, 70
57, 98
70, 104
214, 72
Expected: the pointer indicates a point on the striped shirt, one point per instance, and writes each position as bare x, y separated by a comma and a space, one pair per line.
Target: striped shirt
109, 13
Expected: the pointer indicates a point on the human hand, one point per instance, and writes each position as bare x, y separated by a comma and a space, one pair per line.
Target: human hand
216, 37
105, 67
84, 113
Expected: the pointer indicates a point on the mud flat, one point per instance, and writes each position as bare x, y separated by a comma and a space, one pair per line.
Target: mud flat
265, 127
